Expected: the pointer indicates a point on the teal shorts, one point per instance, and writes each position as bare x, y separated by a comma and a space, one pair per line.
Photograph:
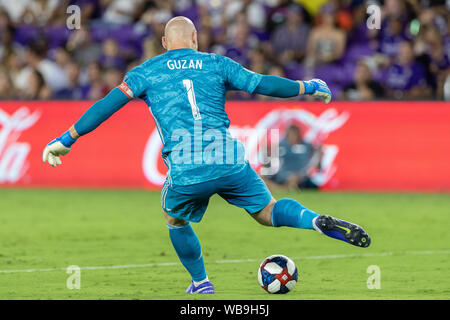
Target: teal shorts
244, 189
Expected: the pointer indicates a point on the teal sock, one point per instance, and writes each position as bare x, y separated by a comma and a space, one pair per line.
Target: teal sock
188, 249
290, 213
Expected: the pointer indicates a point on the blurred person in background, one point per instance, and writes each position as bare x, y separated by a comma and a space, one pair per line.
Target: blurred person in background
113, 78
288, 41
253, 9
13, 65
277, 29
258, 62
439, 62
111, 57
405, 79
61, 57
7, 45
239, 40
94, 88
36, 88
391, 36
15, 9
42, 12
7, 91
35, 57
205, 39
151, 48
363, 86
156, 17
122, 11
81, 47
297, 157
326, 42
359, 34
212, 13
90, 9
74, 91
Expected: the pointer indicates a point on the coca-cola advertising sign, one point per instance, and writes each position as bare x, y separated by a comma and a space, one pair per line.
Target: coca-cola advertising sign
374, 146
14, 153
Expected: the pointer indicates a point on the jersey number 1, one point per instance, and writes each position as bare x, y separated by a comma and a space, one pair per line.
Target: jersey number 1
188, 84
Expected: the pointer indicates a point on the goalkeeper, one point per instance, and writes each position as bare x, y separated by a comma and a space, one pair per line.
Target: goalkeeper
185, 91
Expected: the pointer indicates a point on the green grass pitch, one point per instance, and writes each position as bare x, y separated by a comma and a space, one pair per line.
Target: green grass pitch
120, 241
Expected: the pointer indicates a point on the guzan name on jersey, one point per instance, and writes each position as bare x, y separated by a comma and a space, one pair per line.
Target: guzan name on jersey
184, 64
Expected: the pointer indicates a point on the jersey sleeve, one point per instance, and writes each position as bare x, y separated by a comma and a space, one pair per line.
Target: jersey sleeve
237, 77
135, 83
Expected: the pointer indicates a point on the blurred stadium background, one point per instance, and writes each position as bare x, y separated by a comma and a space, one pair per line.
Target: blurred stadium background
382, 146
407, 58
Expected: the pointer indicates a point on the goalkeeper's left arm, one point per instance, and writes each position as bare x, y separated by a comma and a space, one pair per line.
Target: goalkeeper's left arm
91, 119
275, 86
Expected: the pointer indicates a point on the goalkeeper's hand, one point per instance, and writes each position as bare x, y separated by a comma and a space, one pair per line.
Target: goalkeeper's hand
58, 147
318, 88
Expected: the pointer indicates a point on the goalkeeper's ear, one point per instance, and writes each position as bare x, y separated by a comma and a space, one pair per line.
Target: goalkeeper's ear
164, 42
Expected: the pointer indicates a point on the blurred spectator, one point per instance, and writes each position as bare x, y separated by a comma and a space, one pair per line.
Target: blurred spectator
258, 62
363, 86
61, 58
13, 66
239, 40
405, 79
205, 39
439, 62
83, 50
122, 11
111, 57
289, 40
15, 9
113, 77
52, 74
253, 10
90, 9
152, 48
212, 13
41, 12
6, 86
8, 46
391, 35
94, 88
299, 39
36, 88
74, 91
326, 42
297, 158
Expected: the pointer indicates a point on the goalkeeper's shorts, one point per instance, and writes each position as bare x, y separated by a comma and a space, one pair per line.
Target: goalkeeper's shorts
244, 189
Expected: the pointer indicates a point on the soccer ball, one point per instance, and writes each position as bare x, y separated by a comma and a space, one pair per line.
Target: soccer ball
277, 274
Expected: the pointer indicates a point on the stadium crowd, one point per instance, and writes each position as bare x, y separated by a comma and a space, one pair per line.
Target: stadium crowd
408, 57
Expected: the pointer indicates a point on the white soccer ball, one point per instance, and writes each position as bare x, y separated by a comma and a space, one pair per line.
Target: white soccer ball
277, 274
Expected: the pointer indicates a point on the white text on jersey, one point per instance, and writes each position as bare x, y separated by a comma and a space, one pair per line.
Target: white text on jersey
184, 64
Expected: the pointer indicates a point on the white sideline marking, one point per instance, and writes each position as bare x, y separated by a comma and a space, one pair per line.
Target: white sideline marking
166, 264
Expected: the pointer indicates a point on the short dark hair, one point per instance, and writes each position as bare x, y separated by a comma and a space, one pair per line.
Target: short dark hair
39, 48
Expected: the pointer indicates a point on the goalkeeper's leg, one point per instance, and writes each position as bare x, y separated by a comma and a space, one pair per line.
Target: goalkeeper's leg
248, 191
291, 213
188, 249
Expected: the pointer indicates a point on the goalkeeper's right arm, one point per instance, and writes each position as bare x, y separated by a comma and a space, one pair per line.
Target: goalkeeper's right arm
90, 120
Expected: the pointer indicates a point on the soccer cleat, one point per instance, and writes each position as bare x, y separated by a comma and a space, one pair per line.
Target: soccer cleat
204, 288
342, 230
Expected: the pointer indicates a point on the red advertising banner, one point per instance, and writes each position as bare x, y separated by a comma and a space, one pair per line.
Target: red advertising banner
370, 146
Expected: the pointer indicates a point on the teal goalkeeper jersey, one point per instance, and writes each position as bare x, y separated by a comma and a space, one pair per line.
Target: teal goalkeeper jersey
185, 91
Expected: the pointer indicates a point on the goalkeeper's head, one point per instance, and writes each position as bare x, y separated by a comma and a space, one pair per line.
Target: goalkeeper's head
180, 33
